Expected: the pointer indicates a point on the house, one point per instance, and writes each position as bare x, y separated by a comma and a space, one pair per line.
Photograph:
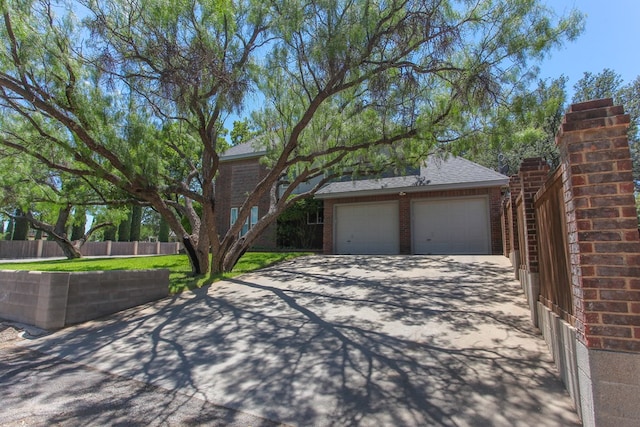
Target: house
452, 206
238, 173
448, 206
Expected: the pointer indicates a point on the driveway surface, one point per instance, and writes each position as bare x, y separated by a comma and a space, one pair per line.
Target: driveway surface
324, 341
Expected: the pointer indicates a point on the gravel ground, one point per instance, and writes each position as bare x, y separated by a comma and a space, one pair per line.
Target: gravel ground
42, 390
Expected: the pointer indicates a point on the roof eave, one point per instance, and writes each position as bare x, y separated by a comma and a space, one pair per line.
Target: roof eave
244, 156
414, 189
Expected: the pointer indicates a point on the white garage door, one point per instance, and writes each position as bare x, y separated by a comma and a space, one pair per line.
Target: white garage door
451, 226
367, 228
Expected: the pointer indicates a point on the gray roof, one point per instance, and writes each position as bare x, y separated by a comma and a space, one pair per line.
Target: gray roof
436, 174
242, 151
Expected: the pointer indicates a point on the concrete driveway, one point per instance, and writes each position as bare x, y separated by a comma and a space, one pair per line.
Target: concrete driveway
337, 341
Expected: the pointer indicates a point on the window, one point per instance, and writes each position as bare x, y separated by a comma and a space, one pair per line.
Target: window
250, 222
234, 216
316, 217
254, 216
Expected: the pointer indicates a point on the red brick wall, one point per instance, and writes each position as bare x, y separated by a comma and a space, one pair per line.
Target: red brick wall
533, 174
234, 181
494, 195
602, 225
514, 189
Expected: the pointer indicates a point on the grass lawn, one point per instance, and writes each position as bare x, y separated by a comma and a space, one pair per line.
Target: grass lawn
180, 278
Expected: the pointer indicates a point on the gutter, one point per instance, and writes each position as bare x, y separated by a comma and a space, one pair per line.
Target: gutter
413, 189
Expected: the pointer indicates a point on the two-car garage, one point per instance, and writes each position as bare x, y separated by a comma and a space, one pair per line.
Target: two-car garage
437, 226
452, 206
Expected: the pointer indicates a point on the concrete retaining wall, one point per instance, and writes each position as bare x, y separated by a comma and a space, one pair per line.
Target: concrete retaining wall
53, 300
560, 337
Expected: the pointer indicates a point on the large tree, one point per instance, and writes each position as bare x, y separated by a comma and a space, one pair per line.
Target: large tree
349, 87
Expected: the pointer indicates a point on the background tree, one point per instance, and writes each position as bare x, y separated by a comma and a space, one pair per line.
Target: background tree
124, 228
241, 131
20, 226
526, 127
609, 84
349, 88
136, 223
47, 201
79, 223
163, 231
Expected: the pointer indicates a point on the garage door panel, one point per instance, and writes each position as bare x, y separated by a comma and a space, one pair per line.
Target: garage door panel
451, 226
370, 228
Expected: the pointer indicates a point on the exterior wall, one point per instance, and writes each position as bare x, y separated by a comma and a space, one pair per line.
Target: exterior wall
53, 300
234, 181
11, 249
604, 251
494, 195
512, 214
599, 358
602, 226
533, 174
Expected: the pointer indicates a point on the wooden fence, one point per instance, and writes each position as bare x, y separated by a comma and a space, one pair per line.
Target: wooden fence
553, 249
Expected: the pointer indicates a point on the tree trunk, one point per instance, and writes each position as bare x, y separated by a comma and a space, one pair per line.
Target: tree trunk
70, 251
199, 261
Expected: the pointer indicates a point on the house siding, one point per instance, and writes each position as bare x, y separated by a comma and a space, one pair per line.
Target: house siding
235, 180
493, 194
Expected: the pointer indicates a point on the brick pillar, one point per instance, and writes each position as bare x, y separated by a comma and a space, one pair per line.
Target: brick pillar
504, 222
605, 260
512, 215
533, 174
404, 204
327, 228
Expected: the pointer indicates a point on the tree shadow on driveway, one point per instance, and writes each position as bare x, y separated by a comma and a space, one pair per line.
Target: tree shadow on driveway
342, 341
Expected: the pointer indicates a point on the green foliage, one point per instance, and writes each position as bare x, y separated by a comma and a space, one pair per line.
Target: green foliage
525, 127
180, 279
136, 223
242, 132
20, 227
163, 233
109, 233
609, 84
605, 84
79, 223
132, 100
294, 230
124, 228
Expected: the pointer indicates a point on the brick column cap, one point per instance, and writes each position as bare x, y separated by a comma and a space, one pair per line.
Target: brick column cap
595, 114
533, 164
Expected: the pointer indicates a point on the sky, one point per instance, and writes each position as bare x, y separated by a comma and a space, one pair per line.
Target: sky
609, 40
